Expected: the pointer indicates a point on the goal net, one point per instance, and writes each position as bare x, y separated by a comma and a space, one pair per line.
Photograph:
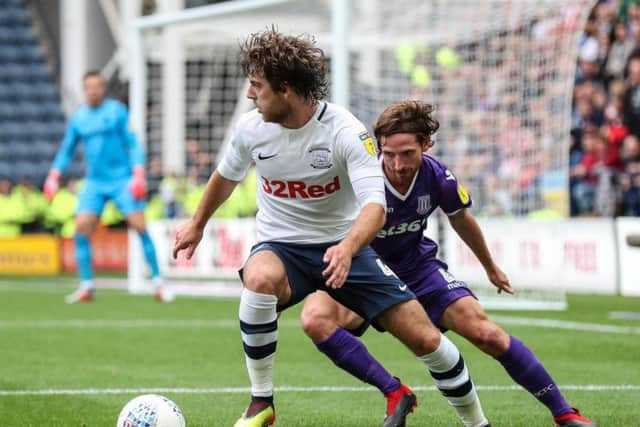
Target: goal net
499, 72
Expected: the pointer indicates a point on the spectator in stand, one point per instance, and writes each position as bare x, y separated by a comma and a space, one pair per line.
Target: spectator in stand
619, 52
630, 177
588, 56
31, 205
586, 114
627, 9
60, 213
586, 173
613, 129
169, 189
9, 227
631, 99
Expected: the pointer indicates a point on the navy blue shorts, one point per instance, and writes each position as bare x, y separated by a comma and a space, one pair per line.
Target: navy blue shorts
371, 287
443, 290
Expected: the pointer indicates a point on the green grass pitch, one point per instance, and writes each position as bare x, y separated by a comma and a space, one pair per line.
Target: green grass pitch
68, 366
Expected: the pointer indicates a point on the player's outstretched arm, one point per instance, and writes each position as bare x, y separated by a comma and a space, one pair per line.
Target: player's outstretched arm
469, 231
189, 234
338, 257
61, 161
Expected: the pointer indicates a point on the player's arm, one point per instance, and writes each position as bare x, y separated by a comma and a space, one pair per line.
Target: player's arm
365, 227
189, 234
61, 161
221, 184
366, 179
469, 231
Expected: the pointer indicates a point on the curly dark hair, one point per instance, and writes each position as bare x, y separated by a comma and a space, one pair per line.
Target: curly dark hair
408, 116
286, 60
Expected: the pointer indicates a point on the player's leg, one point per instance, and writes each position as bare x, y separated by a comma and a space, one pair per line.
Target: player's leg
265, 285
90, 204
466, 317
373, 291
85, 226
134, 211
409, 323
332, 327
136, 221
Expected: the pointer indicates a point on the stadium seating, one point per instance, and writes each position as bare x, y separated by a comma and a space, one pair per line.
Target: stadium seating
31, 117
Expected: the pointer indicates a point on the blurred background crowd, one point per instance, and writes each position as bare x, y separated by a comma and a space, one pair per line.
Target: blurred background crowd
604, 158
605, 149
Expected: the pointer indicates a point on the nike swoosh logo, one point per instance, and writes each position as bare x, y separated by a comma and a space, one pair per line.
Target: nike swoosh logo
402, 287
261, 157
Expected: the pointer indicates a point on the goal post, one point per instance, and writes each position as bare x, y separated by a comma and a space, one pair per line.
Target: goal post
499, 72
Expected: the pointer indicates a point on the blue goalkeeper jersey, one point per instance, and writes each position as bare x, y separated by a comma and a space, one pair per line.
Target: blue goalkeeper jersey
110, 148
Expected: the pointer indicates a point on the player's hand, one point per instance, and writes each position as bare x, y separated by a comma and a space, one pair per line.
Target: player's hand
138, 184
499, 279
188, 235
338, 258
51, 184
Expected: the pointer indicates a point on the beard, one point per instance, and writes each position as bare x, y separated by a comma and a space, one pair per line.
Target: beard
273, 115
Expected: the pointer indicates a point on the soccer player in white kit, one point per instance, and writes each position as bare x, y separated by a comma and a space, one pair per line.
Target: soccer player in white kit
321, 201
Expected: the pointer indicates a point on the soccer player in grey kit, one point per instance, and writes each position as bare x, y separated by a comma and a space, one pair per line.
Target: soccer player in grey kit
415, 185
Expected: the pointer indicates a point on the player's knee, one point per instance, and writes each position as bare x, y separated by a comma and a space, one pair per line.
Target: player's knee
428, 343
139, 228
84, 228
137, 222
260, 284
317, 324
490, 338
421, 341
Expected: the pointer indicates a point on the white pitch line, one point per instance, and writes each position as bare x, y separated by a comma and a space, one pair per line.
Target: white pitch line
143, 323
281, 389
232, 323
565, 324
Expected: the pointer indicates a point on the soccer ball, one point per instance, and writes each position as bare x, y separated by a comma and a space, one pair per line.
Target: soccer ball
150, 410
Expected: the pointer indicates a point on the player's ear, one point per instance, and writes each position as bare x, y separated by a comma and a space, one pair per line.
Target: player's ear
286, 90
426, 143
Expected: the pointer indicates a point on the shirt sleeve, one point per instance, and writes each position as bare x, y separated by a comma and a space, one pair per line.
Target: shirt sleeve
358, 151
136, 152
453, 196
65, 153
237, 159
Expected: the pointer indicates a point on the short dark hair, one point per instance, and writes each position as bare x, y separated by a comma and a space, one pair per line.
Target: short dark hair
286, 60
409, 116
92, 73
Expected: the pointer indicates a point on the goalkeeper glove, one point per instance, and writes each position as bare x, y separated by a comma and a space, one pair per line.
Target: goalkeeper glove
138, 184
52, 184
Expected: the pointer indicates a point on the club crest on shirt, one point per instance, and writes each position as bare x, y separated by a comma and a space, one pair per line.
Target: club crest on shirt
462, 193
424, 204
368, 143
320, 158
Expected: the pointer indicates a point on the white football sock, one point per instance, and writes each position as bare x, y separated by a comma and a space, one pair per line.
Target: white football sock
450, 374
259, 328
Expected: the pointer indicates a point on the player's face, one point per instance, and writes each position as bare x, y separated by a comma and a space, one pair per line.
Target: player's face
401, 156
272, 105
94, 90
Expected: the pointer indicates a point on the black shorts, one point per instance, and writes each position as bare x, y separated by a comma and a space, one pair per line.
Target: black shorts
371, 287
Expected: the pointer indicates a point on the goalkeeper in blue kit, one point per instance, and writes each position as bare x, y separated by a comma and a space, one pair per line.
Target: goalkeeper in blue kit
114, 171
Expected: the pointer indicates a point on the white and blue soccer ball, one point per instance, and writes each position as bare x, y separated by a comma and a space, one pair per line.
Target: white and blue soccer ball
150, 410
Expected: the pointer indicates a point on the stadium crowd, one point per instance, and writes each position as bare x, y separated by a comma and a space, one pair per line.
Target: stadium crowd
604, 156
605, 128
24, 209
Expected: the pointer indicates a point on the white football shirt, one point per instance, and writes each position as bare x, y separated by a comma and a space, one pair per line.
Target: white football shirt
304, 176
